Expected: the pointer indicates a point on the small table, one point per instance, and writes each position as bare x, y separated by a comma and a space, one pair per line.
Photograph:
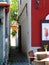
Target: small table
43, 52
44, 61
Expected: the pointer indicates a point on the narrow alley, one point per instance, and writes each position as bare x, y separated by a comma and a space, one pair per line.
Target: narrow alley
24, 32
17, 58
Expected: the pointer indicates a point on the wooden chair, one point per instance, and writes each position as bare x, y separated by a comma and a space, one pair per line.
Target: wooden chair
46, 62
31, 56
41, 56
39, 49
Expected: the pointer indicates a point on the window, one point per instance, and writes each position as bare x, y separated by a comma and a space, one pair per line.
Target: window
45, 30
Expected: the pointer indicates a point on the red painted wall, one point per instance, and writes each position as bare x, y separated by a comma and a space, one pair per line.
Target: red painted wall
36, 16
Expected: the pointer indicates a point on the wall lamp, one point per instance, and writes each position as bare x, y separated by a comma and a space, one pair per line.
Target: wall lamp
37, 3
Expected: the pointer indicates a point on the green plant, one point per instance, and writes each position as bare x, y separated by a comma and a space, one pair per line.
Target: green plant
13, 32
45, 46
13, 10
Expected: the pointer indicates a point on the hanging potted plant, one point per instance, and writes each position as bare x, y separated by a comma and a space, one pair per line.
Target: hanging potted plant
13, 33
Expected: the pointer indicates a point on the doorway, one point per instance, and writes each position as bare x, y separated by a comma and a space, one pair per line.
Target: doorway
15, 36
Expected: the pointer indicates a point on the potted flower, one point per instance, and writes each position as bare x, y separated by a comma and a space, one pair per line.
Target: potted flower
13, 32
45, 47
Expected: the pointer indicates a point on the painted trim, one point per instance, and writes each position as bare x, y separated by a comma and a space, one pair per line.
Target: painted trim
5, 5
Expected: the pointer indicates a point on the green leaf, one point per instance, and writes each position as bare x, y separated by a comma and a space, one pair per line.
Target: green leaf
13, 9
13, 33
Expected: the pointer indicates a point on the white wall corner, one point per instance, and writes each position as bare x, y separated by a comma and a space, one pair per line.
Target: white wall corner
29, 22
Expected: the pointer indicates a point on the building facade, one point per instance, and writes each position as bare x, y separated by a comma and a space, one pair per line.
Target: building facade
4, 31
31, 14
24, 15
39, 12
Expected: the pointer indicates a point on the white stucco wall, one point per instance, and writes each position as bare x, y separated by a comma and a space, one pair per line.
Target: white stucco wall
25, 21
26, 25
29, 23
21, 6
